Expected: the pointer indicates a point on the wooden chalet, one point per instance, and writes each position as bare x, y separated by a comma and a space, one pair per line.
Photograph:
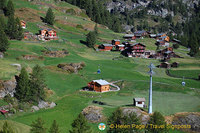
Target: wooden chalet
139, 102
23, 24
141, 33
160, 35
120, 47
115, 42
106, 47
165, 38
48, 34
99, 85
134, 50
160, 42
129, 37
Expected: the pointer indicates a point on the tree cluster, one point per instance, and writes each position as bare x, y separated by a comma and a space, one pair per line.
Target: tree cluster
30, 87
98, 13
80, 125
12, 29
38, 127
118, 118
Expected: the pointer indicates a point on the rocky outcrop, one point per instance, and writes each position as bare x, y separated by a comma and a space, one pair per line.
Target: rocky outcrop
192, 119
7, 87
61, 53
43, 105
93, 114
144, 117
71, 67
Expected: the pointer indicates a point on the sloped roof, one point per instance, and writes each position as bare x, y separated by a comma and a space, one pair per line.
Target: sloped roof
129, 35
101, 82
107, 44
139, 99
116, 40
137, 43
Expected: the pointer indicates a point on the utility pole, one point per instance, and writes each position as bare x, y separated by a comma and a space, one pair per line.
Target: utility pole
151, 66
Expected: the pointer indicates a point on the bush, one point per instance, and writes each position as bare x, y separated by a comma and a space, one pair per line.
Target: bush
176, 46
79, 26
71, 11
82, 64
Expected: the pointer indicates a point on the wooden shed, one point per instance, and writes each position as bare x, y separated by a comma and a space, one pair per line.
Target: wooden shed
106, 47
99, 85
165, 65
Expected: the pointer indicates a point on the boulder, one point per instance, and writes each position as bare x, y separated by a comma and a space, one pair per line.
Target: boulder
43, 104
1, 55
7, 87
35, 108
52, 105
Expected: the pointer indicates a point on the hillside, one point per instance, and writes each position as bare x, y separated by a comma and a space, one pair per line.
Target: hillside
72, 24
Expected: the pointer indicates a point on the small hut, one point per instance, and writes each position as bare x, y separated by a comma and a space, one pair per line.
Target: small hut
139, 102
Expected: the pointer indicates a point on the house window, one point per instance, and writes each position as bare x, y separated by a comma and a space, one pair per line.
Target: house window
139, 102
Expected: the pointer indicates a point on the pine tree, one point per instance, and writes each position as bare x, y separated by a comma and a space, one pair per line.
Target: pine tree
2, 23
11, 28
22, 88
2, 4
10, 10
91, 39
19, 34
38, 126
54, 128
7, 128
3, 41
96, 29
49, 17
193, 43
37, 84
80, 125
89, 8
157, 119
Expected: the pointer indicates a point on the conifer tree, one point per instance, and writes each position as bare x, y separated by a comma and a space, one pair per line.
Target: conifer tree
91, 39
80, 125
22, 88
19, 34
157, 119
96, 29
89, 8
7, 128
10, 10
54, 128
11, 28
37, 84
2, 23
3, 41
49, 17
3, 4
38, 126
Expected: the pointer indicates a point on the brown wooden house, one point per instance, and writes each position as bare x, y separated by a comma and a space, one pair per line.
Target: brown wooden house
140, 33
48, 34
138, 49
120, 47
99, 85
129, 37
115, 42
106, 47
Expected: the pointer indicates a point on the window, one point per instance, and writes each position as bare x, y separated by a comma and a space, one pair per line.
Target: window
139, 102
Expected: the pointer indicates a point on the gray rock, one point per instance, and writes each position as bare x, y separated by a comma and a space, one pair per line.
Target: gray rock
1, 55
35, 108
43, 104
52, 105
8, 87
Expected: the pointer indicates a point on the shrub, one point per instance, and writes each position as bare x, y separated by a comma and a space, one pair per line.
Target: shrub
71, 11
79, 26
176, 46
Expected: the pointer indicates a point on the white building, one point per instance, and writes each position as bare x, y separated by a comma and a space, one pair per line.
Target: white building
139, 102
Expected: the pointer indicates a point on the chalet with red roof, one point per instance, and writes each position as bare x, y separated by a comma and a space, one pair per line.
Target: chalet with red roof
115, 42
48, 34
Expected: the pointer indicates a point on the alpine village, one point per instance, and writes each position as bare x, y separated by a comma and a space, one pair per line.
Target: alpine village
99, 66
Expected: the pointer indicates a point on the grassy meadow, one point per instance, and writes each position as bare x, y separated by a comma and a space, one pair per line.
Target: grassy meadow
169, 96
